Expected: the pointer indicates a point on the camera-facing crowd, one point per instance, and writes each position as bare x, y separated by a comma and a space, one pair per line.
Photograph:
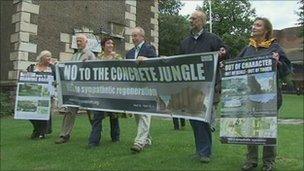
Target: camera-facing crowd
200, 40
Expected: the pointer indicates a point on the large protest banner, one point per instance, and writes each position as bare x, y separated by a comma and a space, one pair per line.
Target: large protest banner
33, 97
249, 101
180, 86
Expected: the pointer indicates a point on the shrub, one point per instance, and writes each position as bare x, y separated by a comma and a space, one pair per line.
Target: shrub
6, 106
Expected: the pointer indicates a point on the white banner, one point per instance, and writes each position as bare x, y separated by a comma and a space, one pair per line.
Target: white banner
33, 97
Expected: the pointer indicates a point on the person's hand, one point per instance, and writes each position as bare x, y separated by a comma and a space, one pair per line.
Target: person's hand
112, 55
220, 56
54, 83
53, 61
85, 60
222, 65
140, 59
276, 57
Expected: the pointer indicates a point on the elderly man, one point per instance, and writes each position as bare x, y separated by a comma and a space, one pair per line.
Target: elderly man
201, 41
83, 53
141, 51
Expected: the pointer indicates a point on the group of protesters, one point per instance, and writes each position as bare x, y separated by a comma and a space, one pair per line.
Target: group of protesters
200, 40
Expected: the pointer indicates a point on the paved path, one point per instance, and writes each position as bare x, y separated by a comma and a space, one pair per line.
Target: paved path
280, 121
291, 121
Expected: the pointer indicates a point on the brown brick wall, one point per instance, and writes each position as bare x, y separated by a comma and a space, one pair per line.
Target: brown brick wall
64, 16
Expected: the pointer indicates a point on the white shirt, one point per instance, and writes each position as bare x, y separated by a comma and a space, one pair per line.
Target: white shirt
137, 49
196, 35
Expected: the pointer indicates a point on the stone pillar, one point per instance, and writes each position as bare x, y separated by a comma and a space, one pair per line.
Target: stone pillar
154, 23
68, 51
67, 40
20, 39
130, 18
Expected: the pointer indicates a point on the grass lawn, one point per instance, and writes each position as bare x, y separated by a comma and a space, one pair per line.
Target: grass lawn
170, 150
292, 107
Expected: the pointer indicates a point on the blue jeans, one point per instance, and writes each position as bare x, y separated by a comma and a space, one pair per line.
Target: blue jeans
95, 135
203, 137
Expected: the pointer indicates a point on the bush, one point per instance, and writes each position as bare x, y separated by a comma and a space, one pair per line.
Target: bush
6, 106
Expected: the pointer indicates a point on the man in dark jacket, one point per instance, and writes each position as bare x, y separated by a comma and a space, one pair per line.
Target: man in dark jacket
201, 41
141, 51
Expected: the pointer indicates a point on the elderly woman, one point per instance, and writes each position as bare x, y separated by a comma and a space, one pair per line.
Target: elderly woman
44, 64
108, 46
262, 43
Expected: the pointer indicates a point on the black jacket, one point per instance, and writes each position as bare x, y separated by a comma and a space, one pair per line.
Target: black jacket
32, 66
146, 50
282, 70
206, 42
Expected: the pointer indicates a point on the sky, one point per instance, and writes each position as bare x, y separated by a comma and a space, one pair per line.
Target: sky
281, 13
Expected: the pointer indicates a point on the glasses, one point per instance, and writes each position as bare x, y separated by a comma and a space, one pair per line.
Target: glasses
192, 18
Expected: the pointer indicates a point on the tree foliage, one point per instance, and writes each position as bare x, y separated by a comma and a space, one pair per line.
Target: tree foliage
173, 28
232, 21
171, 7
301, 16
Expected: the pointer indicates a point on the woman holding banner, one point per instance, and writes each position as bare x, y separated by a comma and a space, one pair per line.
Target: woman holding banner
262, 43
108, 46
44, 64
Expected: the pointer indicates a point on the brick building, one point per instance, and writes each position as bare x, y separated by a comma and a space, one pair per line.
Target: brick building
30, 26
290, 40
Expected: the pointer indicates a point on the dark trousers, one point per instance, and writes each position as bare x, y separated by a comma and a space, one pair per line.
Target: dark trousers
49, 126
95, 135
202, 136
42, 127
269, 154
176, 122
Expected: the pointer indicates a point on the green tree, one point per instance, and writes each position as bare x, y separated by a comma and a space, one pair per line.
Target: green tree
301, 16
173, 28
232, 21
170, 6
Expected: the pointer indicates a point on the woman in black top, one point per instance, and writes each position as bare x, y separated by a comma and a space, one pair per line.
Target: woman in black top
44, 64
262, 43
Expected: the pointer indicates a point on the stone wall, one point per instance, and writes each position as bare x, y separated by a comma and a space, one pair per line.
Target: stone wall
55, 32
7, 9
30, 26
148, 19
24, 28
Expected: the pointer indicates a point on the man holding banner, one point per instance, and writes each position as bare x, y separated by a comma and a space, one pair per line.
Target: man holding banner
201, 41
68, 122
141, 51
